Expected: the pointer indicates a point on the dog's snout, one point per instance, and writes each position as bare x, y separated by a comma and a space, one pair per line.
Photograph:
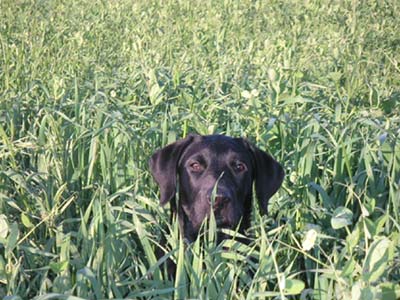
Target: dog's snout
220, 200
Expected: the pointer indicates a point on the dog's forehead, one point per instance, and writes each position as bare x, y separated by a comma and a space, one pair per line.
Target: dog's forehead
217, 146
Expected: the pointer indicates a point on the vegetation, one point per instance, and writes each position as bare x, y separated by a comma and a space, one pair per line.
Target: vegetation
89, 89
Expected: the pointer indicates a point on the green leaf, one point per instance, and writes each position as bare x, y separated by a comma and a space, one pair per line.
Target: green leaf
376, 260
26, 221
352, 239
342, 217
154, 89
309, 240
4, 227
272, 75
180, 277
370, 206
246, 94
356, 291
3, 273
324, 195
145, 241
390, 291
58, 267
335, 76
294, 286
299, 74
348, 269
42, 131
57, 296
12, 238
87, 273
376, 227
12, 298
155, 95
368, 293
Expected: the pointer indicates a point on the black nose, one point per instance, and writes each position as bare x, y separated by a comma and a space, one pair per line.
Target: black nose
220, 201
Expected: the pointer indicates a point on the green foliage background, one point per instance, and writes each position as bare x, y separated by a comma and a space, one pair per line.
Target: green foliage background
89, 89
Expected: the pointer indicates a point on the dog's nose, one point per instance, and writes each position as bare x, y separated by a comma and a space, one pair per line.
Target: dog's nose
220, 201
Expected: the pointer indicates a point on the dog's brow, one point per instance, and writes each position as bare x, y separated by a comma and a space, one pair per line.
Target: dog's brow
236, 155
200, 157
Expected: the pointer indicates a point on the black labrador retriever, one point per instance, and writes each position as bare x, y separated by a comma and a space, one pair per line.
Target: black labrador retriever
214, 172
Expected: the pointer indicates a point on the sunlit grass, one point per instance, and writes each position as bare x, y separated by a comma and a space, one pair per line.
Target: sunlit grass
88, 90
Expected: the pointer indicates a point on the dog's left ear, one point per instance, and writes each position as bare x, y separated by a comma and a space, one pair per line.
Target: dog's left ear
268, 176
163, 166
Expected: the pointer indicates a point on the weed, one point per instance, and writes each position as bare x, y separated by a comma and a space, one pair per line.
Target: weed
88, 90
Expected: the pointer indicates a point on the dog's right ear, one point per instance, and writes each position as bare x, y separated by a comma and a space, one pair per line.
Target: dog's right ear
163, 166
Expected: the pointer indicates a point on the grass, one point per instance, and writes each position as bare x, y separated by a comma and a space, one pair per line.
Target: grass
89, 89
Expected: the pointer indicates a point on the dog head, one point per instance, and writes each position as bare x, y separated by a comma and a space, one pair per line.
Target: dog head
214, 172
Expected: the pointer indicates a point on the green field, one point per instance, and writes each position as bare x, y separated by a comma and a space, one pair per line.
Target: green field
90, 89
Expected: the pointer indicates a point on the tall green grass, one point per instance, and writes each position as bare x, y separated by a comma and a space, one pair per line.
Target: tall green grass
89, 89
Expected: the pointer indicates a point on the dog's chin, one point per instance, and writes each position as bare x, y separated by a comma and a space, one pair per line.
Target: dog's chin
221, 236
221, 224
227, 222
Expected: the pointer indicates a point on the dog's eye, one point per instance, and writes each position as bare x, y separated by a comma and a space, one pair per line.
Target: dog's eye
196, 167
239, 167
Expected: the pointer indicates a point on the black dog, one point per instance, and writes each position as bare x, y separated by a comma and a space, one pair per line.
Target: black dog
203, 164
